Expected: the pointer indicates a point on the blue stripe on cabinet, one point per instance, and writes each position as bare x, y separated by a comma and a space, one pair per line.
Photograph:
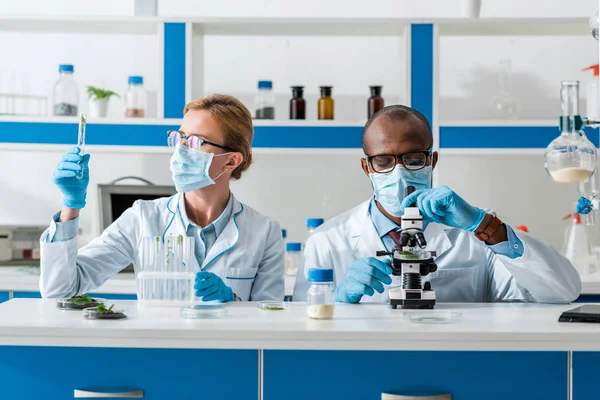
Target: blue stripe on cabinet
155, 135
516, 137
421, 67
174, 69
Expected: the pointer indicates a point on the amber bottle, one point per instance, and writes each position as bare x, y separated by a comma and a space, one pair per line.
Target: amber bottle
375, 101
325, 104
297, 103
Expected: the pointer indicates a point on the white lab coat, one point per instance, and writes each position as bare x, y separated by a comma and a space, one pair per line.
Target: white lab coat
468, 271
247, 255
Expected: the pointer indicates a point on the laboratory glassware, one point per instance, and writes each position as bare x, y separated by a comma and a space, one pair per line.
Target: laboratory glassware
593, 23
297, 103
203, 311
375, 102
94, 313
320, 298
72, 304
592, 94
271, 305
81, 141
293, 257
432, 317
264, 101
571, 157
166, 273
504, 105
325, 104
135, 98
65, 94
312, 224
577, 248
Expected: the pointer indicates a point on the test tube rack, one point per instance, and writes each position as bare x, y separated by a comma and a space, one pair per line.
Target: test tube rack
166, 274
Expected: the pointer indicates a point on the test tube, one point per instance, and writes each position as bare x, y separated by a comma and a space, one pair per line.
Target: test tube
81, 141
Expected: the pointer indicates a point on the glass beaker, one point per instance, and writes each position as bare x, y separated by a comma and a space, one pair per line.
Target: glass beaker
504, 105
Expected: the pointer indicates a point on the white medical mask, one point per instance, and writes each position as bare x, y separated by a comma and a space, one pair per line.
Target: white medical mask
189, 168
390, 188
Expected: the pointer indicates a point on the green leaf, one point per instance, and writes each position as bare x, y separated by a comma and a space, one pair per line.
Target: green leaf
81, 300
100, 94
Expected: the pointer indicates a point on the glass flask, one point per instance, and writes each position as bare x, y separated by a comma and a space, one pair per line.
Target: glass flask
504, 105
571, 157
325, 104
594, 25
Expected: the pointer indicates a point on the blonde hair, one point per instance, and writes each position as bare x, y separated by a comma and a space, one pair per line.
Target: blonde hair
236, 122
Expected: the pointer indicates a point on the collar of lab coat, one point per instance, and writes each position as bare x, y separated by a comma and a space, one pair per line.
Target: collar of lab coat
225, 241
365, 240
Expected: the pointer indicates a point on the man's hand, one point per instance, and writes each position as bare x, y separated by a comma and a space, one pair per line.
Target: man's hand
365, 277
443, 206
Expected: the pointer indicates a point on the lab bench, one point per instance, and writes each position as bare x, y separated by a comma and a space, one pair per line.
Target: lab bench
495, 351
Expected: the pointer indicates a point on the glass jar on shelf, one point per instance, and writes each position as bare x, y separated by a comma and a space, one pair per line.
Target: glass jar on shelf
264, 102
135, 98
504, 104
65, 94
293, 257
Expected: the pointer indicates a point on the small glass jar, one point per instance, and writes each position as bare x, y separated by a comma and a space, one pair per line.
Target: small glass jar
293, 257
297, 103
326, 104
312, 224
375, 102
135, 98
264, 101
65, 94
320, 297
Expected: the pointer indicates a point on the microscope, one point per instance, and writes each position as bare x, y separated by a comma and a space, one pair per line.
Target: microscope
411, 262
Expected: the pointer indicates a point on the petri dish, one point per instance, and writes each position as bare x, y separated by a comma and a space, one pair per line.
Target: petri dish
68, 304
271, 305
413, 255
203, 311
93, 313
433, 317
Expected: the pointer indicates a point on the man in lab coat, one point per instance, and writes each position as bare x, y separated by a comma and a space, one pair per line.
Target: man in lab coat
479, 258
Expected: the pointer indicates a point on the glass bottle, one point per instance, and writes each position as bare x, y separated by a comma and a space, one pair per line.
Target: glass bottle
375, 101
320, 298
264, 101
135, 98
293, 257
325, 104
65, 93
504, 105
297, 103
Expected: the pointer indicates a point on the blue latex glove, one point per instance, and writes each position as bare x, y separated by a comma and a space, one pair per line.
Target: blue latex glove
443, 206
65, 177
210, 287
584, 206
365, 277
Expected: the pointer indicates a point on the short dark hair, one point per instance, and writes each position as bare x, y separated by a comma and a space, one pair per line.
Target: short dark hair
398, 112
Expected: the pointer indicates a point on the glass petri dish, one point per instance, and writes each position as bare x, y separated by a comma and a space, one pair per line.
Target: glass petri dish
413, 255
93, 313
271, 305
432, 317
67, 304
203, 311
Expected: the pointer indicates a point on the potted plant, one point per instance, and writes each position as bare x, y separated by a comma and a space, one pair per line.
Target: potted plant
101, 312
98, 101
78, 302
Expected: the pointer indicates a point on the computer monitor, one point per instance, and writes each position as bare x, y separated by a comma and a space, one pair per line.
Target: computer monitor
115, 199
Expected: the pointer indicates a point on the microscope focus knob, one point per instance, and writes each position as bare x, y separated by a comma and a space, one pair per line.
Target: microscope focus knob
427, 286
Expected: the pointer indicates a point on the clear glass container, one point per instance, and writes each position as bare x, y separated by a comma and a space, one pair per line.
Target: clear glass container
115, 313
272, 305
293, 257
264, 101
312, 224
593, 23
571, 157
504, 105
65, 95
320, 298
135, 98
203, 311
78, 303
432, 317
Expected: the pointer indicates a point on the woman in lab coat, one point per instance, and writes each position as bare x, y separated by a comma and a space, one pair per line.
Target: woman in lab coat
238, 252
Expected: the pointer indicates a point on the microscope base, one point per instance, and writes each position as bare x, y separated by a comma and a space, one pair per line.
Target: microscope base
413, 304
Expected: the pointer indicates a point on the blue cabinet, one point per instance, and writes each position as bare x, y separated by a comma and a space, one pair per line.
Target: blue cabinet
586, 375
300, 375
35, 373
111, 296
588, 298
4, 296
27, 295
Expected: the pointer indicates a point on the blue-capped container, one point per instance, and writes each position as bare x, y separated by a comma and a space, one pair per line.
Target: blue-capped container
312, 224
293, 258
320, 297
65, 94
264, 102
135, 98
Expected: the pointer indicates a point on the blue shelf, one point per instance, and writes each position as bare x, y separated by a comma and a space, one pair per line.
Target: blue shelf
343, 137
508, 137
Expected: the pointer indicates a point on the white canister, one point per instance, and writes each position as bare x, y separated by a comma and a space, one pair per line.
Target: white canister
470, 8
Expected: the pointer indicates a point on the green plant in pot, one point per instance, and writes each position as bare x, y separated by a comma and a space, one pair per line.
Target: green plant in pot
98, 101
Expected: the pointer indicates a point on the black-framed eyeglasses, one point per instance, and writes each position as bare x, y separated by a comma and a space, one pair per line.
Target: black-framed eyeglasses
193, 141
412, 161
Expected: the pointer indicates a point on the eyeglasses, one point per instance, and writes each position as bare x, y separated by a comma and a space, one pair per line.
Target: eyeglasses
412, 161
193, 141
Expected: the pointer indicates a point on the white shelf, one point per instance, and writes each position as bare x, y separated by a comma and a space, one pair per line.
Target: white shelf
491, 152
81, 24
500, 123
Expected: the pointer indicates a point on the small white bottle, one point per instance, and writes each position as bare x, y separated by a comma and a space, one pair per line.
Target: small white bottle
65, 95
320, 297
312, 224
135, 98
293, 257
264, 101
593, 95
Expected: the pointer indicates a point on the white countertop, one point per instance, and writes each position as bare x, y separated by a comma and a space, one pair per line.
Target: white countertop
13, 279
489, 326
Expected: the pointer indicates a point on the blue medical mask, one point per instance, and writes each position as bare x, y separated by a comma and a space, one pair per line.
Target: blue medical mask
189, 169
390, 188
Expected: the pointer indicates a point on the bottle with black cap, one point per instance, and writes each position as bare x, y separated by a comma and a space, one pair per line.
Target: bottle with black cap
325, 104
297, 103
375, 102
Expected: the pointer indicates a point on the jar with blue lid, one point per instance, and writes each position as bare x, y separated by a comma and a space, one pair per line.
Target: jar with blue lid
320, 297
